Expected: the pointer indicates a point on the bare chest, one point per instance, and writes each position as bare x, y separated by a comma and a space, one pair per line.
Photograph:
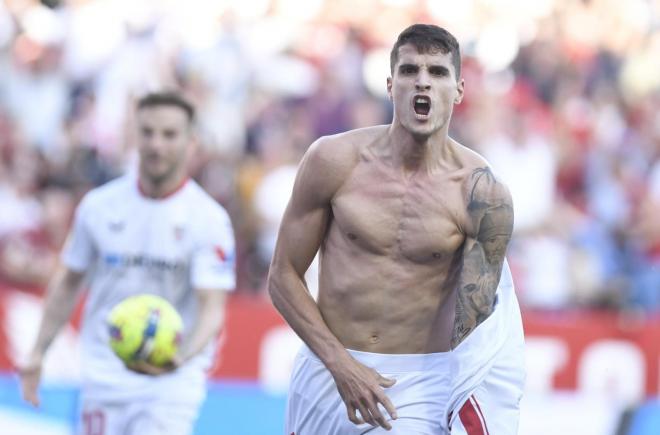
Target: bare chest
418, 219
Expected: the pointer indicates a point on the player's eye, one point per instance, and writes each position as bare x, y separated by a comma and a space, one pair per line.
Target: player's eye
439, 71
408, 69
169, 134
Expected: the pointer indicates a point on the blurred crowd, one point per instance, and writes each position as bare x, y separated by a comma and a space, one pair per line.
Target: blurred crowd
562, 97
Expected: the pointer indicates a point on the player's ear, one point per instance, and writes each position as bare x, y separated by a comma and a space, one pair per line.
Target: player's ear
194, 142
389, 88
460, 90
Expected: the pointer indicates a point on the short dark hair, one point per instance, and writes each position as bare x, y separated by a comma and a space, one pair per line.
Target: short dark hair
427, 38
167, 98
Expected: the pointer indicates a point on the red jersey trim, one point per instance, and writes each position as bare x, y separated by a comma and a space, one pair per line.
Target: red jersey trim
168, 194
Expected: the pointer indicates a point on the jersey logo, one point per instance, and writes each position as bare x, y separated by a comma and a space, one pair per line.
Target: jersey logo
220, 253
178, 232
115, 260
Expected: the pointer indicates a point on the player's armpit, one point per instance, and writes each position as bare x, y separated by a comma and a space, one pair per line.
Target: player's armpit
491, 214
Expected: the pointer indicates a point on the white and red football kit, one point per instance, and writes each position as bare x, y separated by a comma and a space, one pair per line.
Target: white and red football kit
130, 244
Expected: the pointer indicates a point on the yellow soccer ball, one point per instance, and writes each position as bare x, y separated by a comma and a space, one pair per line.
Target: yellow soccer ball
145, 328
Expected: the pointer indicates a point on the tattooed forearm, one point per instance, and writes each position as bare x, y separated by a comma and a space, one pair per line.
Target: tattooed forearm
491, 214
476, 292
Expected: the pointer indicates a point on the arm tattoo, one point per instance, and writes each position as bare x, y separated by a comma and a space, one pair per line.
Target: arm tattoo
491, 214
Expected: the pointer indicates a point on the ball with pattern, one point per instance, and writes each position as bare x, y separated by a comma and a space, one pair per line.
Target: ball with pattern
145, 327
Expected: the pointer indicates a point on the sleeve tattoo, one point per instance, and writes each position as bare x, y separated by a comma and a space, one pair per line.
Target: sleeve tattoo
491, 213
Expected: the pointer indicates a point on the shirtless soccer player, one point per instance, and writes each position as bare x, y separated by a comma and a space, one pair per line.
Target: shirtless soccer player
417, 328
153, 232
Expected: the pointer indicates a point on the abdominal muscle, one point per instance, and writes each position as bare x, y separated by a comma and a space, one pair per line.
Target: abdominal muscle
377, 303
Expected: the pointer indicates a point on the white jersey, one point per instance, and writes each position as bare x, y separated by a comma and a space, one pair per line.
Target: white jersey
131, 244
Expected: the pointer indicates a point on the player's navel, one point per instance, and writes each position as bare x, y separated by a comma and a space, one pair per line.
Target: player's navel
351, 236
436, 255
374, 339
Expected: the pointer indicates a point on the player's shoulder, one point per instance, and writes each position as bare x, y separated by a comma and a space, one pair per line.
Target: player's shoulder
107, 194
469, 158
335, 149
343, 150
203, 204
480, 180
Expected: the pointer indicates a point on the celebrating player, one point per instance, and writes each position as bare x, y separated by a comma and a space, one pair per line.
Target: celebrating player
417, 328
157, 233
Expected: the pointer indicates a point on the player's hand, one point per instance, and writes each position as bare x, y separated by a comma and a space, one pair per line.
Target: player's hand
361, 389
145, 368
30, 374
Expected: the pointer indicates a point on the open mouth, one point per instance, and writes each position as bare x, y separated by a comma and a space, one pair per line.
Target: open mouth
422, 105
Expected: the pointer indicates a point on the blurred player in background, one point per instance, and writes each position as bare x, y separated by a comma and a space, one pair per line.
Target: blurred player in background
417, 327
158, 233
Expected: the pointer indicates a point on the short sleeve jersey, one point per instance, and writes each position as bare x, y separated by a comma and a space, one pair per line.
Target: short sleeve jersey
130, 244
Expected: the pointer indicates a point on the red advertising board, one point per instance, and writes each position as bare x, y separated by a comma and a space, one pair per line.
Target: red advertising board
566, 350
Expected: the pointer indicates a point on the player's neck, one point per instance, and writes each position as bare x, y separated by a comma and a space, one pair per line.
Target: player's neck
416, 154
161, 189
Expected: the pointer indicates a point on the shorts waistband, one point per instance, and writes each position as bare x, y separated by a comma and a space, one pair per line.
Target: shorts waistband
394, 363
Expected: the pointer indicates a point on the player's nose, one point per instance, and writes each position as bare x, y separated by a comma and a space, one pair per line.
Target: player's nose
422, 82
155, 143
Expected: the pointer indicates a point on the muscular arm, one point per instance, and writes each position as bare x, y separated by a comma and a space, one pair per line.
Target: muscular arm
322, 171
301, 233
490, 213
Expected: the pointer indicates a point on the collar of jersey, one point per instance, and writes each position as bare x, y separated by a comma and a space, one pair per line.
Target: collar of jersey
173, 192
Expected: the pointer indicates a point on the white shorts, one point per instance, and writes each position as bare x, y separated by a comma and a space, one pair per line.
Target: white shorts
150, 414
489, 370
419, 394
475, 389
493, 407
422, 396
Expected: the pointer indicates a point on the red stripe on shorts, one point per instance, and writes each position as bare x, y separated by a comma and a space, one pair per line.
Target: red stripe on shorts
471, 419
483, 418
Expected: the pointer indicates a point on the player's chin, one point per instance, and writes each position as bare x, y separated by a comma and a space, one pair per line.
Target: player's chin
157, 172
421, 132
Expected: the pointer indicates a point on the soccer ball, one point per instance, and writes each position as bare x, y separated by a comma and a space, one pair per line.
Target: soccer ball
145, 328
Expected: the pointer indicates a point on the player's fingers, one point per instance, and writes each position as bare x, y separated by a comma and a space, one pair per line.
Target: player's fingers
352, 415
29, 386
389, 407
33, 398
378, 416
386, 382
149, 369
30, 394
175, 362
365, 411
138, 366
